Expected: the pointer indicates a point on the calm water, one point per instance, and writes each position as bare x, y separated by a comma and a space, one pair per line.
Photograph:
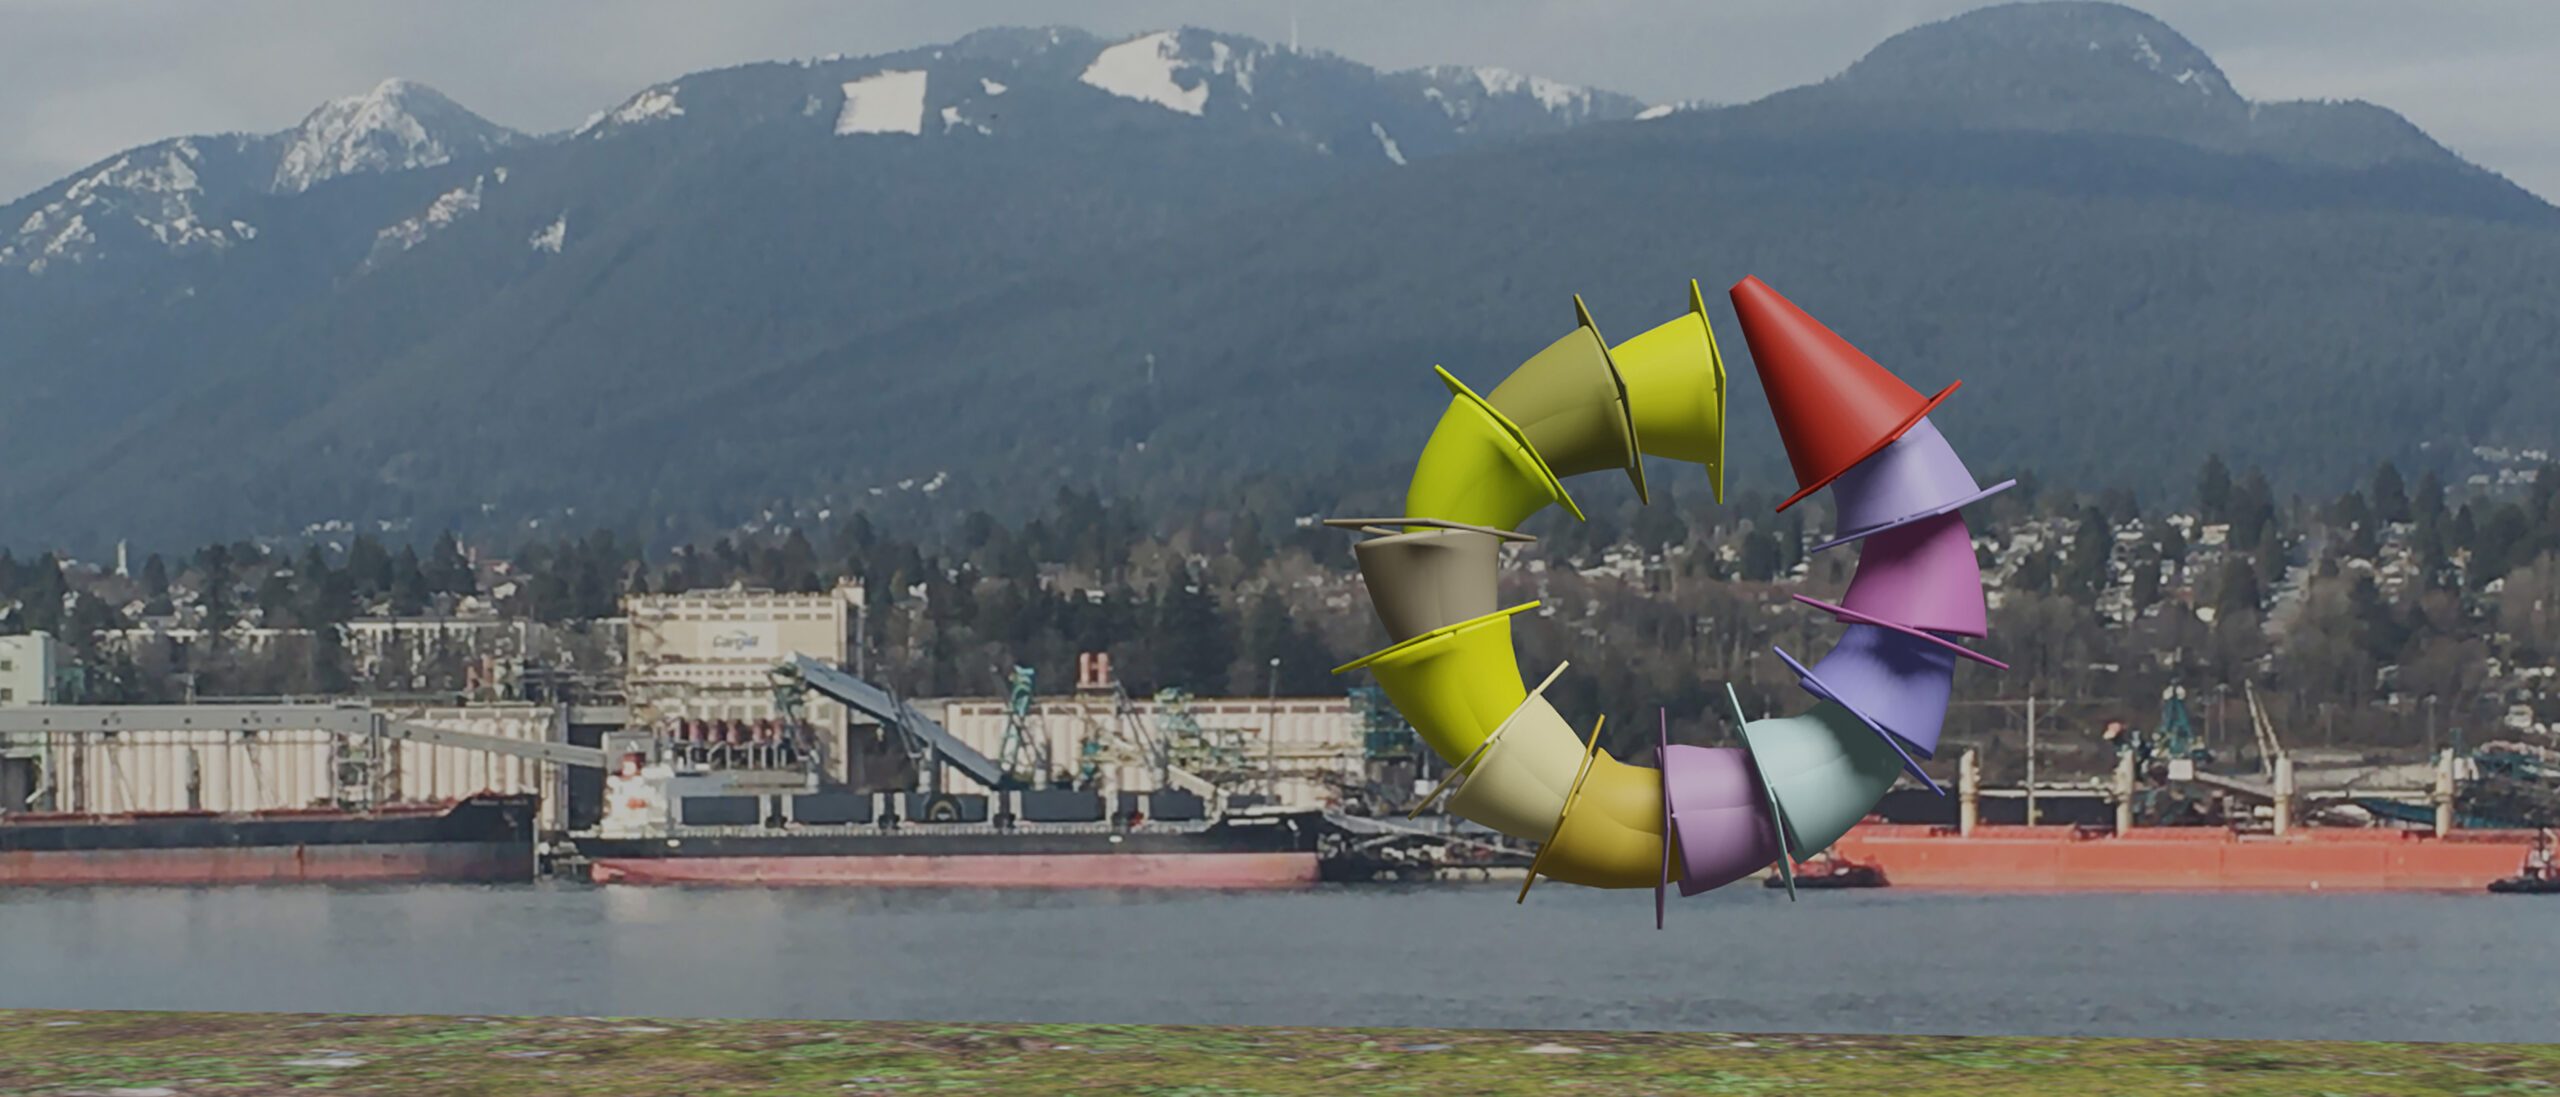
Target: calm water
2379, 967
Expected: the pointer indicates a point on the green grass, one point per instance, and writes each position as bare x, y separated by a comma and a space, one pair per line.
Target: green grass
65, 1054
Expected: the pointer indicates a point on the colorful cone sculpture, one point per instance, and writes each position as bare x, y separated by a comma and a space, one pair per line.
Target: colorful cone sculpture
1826, 768
1916, 476
1676, 390
1835, 406
1454, 685
1479, 468
1702, 817
1572, 405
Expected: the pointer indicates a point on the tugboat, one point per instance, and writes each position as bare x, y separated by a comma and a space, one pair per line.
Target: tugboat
1830, 870
2538, 877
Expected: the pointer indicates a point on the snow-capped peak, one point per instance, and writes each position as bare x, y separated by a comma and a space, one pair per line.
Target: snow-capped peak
397, 126
149, 196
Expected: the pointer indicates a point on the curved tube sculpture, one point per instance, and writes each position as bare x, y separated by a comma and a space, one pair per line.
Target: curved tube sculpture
1707, 816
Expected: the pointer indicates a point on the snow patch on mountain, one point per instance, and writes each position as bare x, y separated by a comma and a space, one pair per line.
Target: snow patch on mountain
397, 126
449, 207
1227, 60
1666, 110
1144, 68
651, 105
2143, 52
1550, 94
888, 102
991, 86
551, 236
1465, 93
1387, 143
952, 119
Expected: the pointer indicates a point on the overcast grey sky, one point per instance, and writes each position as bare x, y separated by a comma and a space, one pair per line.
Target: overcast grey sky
81, 79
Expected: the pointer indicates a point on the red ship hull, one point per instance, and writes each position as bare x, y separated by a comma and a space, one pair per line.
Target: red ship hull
1075, 870
405, 863
2185, 859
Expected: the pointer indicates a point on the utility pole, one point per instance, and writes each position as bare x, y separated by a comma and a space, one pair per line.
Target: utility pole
1271, 733
2031, 757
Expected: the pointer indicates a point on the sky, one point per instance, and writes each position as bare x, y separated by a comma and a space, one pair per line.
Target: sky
83, 79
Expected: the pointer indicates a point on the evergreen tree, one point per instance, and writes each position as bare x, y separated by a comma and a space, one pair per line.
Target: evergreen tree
1193, 642
2146, 582
2426, 504
2086, 575
1244, 542
409, 586
2034, 574
448, 570
2390, 496
1759, 556
155, 577
2213, 491
799, 570
2357, 520
1659, 526
214, 564
275, 599
369, 565
2240, 591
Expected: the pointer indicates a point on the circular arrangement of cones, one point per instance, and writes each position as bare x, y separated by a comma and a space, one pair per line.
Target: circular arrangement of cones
1702, 817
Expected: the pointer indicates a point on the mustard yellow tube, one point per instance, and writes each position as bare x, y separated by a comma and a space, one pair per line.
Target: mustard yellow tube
1454, 684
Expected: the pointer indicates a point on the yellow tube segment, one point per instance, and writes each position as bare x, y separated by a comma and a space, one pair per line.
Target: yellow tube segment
1479, 468
1675, 389
1455, 684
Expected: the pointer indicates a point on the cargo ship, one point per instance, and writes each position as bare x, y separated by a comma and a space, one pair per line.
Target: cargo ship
2083, 858
1026, 838
478, 839
689, 805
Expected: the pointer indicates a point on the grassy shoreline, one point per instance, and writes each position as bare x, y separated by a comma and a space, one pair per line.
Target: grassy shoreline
90, 1054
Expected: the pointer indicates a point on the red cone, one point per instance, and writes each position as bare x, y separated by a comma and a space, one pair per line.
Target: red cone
1835, 406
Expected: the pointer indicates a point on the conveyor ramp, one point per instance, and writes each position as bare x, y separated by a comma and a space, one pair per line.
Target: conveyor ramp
879, 704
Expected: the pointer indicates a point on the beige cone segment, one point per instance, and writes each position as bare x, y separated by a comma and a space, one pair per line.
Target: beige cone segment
1428, 580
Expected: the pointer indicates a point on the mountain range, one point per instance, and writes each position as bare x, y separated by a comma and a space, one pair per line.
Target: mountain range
1187, 263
